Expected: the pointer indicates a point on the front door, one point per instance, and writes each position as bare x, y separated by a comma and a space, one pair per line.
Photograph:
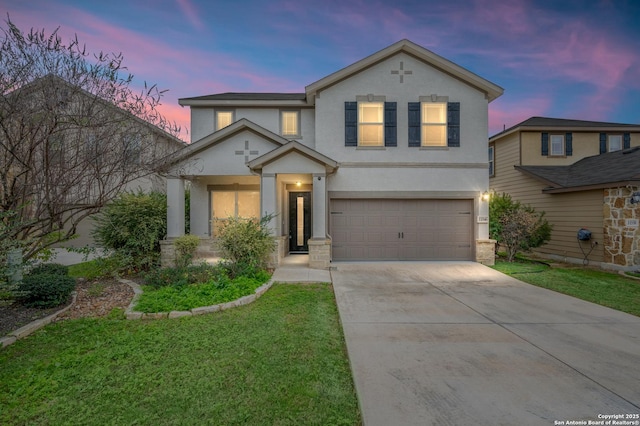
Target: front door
299, 221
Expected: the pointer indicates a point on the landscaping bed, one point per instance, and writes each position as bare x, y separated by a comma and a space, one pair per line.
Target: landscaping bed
95, 298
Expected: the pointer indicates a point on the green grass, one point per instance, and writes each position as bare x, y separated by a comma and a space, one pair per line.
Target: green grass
89, 270
185, 297
278, 361
601, 287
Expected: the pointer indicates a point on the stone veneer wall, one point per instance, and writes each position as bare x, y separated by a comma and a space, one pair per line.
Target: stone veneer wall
486, 252
621, 242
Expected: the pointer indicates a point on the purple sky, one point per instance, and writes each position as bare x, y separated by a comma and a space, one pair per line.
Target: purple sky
564, 59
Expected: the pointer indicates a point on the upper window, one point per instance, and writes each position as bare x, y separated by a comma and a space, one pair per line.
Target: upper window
557, 145
370, 123
615, 143
290, 123
434, 124
223, 119
492, 170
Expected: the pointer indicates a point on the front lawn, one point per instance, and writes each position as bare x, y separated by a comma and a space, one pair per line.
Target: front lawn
278, 361
601, 287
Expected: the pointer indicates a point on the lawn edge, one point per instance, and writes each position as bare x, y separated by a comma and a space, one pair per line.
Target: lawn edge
132, 314
27, 329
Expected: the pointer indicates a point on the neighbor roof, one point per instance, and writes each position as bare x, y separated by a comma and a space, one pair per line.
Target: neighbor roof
558, 124
608, 170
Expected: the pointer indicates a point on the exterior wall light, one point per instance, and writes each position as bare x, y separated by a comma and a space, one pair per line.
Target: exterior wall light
485, 196
635, 197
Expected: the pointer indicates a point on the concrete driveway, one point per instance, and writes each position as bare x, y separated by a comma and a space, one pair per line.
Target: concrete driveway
457, 343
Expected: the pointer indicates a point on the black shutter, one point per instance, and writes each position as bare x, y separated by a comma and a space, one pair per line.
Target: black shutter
390, 124
414, 124
453, 124
627, 141
350, 124
568, 144
603, 143
545, 144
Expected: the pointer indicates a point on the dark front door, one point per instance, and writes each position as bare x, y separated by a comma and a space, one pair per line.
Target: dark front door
299, 221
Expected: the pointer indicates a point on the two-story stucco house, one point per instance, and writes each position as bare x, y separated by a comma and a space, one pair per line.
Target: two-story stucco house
582, 174
382, 160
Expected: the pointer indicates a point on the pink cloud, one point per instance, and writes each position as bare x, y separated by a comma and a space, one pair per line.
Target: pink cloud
504, 114
189, 10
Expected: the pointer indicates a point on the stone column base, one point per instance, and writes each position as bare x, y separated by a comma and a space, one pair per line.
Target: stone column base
278, 253
167, 254
486, 252
319, 253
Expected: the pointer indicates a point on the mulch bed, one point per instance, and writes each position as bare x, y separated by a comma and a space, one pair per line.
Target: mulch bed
95, 298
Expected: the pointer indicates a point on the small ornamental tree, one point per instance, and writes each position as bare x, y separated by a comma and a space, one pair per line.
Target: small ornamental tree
132, 227
516, 226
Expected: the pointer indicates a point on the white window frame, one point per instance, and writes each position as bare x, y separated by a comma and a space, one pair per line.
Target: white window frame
492, 160
610, 147
379, 124
236, 190
560, 142
283, 126
219, 120
427, 124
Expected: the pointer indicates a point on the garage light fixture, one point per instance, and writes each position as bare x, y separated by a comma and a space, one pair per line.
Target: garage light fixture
485, 196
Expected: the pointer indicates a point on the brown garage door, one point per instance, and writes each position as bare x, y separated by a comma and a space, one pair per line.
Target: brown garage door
389, 229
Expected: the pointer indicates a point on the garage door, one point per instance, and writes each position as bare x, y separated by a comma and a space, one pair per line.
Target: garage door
388, 229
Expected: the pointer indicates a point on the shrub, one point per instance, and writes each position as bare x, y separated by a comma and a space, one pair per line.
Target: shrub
49, 269
186, 247
132, 226
245, 243
516, 226
46, 290
185, 275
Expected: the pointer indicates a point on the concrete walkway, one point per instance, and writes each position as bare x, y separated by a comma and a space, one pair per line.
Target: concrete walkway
294, 269
457, 343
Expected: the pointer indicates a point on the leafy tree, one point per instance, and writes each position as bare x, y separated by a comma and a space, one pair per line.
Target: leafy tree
74, 133
132, 226
516, 226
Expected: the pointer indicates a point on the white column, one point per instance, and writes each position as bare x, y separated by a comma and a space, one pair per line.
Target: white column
483, 213
319, 206
268, 199
199, 213
175, 207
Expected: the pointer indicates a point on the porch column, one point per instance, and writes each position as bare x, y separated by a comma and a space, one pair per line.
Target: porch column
319, 206
268, 201
199, 216
175, 207
319, 244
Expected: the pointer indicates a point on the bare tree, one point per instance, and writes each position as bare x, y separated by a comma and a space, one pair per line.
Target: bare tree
73, 135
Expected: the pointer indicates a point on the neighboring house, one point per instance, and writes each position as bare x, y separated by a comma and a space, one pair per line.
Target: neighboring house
582, 174
66, 151
382, 160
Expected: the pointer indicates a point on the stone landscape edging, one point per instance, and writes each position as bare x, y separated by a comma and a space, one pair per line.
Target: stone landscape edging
26, 330
131, 314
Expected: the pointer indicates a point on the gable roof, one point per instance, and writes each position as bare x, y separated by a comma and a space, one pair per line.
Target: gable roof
293, 146
563, 124
221, 135
608, 170
491, 90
